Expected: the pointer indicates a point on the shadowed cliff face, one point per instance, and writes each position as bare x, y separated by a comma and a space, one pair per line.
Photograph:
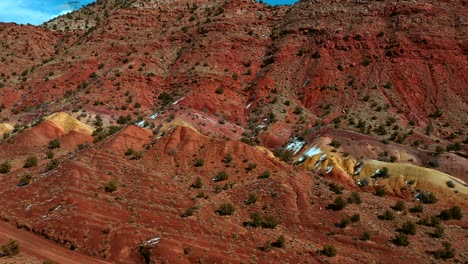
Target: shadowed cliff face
146, 116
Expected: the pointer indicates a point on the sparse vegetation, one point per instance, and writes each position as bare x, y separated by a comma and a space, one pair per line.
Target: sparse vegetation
221, 176
399, 206
338, 204
387, 215
10, 249
328, 250
226, 209
453, 213
408, 228
252, 199
30, 162
401, 240
5, 167
266, 221
198, 183
264, 175
446, 253
111, 186
198, 162
25, 179
416, 209
355, 198
336, 188
53, 144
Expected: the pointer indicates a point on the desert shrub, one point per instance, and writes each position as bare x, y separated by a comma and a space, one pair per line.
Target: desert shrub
198, 183
336, 188
221, 176
111, 186
267, 247
328, 250
129, 152
280, 242
335, 143
284, 154
30, 162
446, 253
226, 209
355, 218
401, 240
427, 197
252, 198
264, 175
198, 162
408, 228
228, 158
438, 232
450, 184
49, 154
10, 249
189, 212
365, 236
343, 223
429, 221
219, 90
399, 206
5, 167
453, 213
53, 164
387, 215
25, 179
338, 204
380, 192
257, 220
355, 198
251, 166
416, 209
53, 144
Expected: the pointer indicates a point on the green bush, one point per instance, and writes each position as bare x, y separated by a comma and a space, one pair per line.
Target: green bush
438, 232
408, 228
416, 209
264, 175
53, 164
365, 236
453, 213
429, 221
252, 198
129, 152
336, 188
399, 206
427, 198
446, 253
30, 162
338, 204
387, 215
355, 198
10, 249
221, 176
257, 220
380, 192
111, 186
5, 167
198, 162
53, 144
343, 223
328, 250
25, 179
280, 242
355, 218
401, 240
226, 209
198, 183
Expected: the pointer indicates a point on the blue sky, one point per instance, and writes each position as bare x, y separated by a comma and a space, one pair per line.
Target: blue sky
36, 12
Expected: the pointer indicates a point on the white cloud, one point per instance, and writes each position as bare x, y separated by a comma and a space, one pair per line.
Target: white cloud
31, 11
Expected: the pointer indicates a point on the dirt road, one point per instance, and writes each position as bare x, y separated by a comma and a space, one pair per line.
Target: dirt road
41, 248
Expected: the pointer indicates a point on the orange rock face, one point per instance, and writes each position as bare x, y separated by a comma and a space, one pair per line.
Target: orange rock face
169, 112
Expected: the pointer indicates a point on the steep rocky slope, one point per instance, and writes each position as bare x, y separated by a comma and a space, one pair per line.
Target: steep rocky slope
126, 121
